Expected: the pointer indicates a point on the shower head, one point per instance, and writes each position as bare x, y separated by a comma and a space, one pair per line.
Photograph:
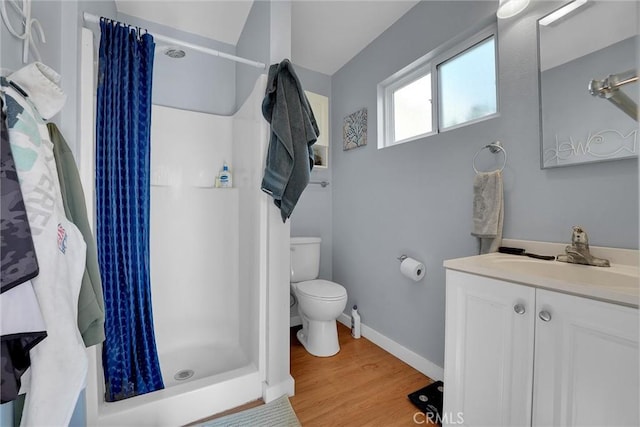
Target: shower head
174, 52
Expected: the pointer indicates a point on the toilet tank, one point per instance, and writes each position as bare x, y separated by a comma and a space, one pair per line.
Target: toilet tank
305, 258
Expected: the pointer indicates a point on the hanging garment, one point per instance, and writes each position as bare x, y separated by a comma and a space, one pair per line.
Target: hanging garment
293, 131
90, 301
22, 328
21, 325
19, 262
123, 118
59, 363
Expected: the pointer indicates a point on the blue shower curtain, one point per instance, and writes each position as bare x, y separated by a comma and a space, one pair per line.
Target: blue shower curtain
129, 355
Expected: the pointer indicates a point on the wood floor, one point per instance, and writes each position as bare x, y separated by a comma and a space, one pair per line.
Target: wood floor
362, 385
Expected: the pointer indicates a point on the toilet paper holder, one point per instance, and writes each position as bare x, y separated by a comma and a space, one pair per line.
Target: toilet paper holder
411, 268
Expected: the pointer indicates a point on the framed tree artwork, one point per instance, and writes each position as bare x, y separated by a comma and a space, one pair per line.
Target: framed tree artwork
354, 131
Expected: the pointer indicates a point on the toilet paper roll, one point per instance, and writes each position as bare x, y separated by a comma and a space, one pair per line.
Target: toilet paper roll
412, 269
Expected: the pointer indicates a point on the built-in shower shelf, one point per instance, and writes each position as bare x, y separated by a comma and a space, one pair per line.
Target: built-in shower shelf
210, 187
198, 187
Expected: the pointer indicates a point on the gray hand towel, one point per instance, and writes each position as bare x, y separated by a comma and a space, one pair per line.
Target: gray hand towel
488, 210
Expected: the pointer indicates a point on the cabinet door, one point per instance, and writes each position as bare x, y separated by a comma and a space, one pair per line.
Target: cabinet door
488, 351
586, 362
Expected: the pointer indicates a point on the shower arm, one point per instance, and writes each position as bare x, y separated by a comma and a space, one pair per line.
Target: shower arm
609, 88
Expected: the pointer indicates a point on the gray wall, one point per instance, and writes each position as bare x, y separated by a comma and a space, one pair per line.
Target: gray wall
416, 198
602, 197
312, 215
196, 82
50, 15
253, 44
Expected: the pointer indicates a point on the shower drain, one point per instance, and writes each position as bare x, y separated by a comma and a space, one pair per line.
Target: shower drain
184, 374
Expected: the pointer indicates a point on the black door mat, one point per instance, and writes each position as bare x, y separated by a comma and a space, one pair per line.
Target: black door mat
429, 400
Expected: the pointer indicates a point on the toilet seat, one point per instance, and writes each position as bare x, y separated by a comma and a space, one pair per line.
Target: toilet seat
322, 290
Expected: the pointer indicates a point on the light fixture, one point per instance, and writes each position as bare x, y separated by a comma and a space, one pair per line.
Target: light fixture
509, 8
564, 10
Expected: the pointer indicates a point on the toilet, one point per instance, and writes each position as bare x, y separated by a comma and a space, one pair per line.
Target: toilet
320, 302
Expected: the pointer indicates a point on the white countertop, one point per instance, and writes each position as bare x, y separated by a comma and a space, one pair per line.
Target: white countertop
619, 283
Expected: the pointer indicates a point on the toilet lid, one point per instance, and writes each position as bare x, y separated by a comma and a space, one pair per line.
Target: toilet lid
322, 289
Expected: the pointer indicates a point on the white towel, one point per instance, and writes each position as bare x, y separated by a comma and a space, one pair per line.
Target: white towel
488, 210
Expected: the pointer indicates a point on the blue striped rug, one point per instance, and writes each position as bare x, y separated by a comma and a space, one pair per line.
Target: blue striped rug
275, 413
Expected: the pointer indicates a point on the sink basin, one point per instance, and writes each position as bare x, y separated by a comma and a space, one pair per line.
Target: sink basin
617, 276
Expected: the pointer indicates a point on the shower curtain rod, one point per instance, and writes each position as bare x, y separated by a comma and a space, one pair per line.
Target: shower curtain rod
96, 20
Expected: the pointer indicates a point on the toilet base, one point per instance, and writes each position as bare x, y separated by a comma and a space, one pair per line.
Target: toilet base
319, 338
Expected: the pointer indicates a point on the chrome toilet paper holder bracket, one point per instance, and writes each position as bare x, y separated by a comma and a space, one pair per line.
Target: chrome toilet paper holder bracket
402, 258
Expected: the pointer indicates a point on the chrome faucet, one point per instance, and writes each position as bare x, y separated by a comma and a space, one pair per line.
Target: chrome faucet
578, 251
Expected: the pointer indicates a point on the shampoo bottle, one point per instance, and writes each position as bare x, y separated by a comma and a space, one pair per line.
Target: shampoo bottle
355, 322
225, 177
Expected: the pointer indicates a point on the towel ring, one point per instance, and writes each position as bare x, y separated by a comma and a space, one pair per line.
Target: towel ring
494, 147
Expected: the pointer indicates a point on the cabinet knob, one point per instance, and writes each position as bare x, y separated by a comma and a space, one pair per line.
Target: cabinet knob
519, 309
544, 315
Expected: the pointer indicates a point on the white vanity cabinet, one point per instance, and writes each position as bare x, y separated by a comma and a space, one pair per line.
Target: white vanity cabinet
585, 363
517, 355
488, 366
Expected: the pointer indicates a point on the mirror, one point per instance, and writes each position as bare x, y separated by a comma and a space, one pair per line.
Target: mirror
320, 106
593, 48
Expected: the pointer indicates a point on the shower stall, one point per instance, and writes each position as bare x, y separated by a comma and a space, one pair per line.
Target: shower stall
217, 258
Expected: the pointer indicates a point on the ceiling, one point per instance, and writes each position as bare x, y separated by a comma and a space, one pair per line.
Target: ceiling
325, 34
220, 20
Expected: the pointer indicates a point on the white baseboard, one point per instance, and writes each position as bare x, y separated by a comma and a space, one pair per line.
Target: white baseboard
270, 393
409, 357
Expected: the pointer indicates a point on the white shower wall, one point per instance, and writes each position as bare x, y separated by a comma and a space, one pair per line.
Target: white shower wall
209, 270
194, 245
248, 153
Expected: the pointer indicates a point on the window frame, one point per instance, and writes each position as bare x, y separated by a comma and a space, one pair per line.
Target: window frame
430, 64
389, 92
458, 50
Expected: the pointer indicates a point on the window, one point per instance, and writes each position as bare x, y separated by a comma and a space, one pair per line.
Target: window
439, 91
412, 109
468, 85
